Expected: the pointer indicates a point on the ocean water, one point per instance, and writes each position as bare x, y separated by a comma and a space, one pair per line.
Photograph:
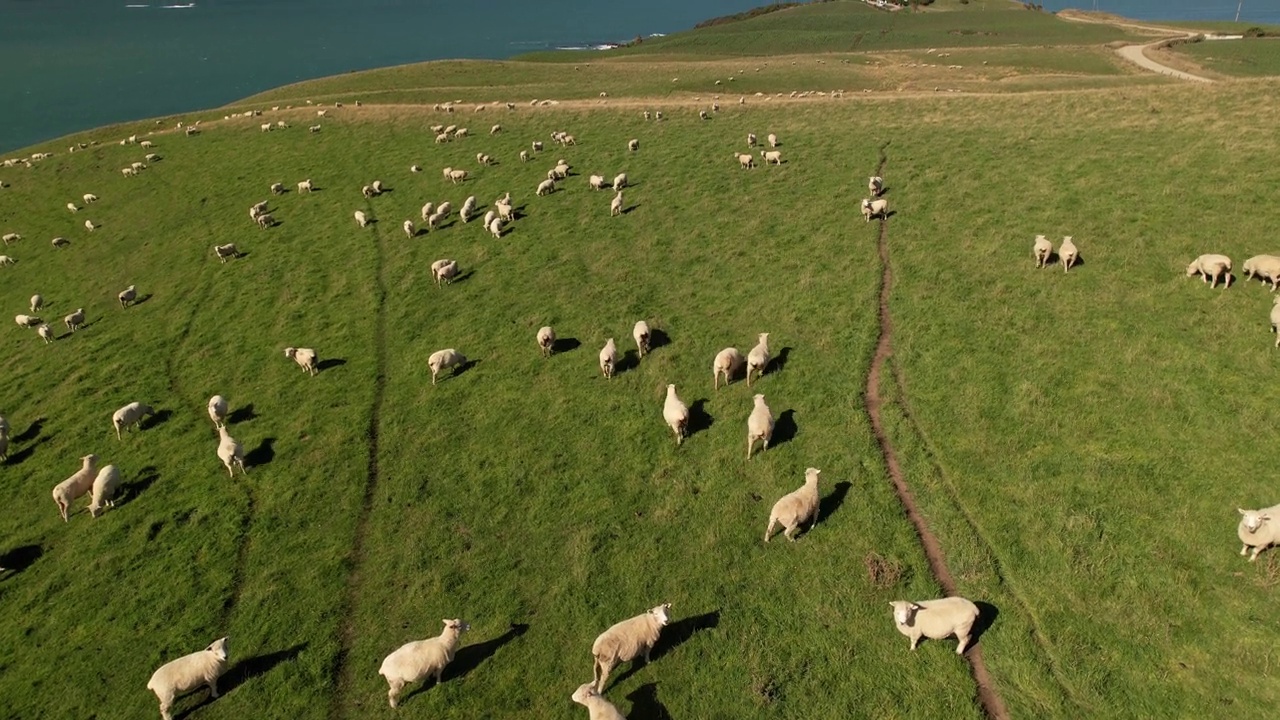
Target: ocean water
1254, 11
68, 65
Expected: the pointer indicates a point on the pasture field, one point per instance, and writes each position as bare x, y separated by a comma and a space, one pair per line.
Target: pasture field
1078, 442
1251, 57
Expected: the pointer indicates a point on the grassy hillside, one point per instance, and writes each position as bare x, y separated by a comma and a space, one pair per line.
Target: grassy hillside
1258, 57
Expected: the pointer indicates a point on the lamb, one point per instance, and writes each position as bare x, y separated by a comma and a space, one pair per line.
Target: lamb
104, 490
138, 166
728, 361
443, 359
145, 144
1257, 531
751, 139
27, 321
45, 332
443, 138
7, 260
37, 302
597, 707
773, 140
615, 207
128, 296
427, 210
619, 182
409, 230
218, 410
445, 270
230, 451
305, 357
936, 619
608, 358
78, 484
676, 413
128, 172
1068, 253
524, 156
625, 641
60, 242
416, 660
225, 251
457, 176
258, 209
495, 227
90, 198
361, 219
772, 156
1265, 266
277, 188
74, 320
305, 186
796, 507
130, 415
460, 132
875, 185
633, 144
281, 124
546, 340
556, 173
759, 425
875, 208
758, 358
546, 187
187, 673
1042, 250
745, 161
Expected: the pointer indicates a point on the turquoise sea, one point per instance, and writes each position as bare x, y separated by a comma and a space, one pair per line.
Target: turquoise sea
1262, 12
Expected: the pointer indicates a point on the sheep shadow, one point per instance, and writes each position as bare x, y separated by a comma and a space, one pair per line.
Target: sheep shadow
518, 212
131, 490
158, 417
465, 367
629, 361
461, 276
699, 419
784, 429
645, 704
330, 363
627, 210
563, 345
19, 559
246, 670
21, 456
32, 431
829, 504
884, 191
243, 414
886, 216
141, 299
672, 636
779, 361
470, 657
261, 455
657, 339
987, 614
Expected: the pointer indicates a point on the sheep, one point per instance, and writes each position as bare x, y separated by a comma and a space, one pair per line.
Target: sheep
759, 425
409, 230
537, 146
258, 208
758, 358
745, 161
640, 333
187, 673
506, 212
619, 182
90, 198
27, 321
225, 251
608, 358
74, 320
37, 302
442, 138
596, 182
230, 452
633, 144
546, 187
6, 260
88, 225
597, 707
495, 227
751, 139
457, 176
72, 207
874, 208
128, 296
128, 172
138, 166
615, 207
1042, 250
772, 156
1265, 266
795, 507
427, 210
78, 484
702, 114
468, 207
361, 219
104, 490
495, 129
265, 220
773, 140
305, 357
625, 641
936, 619
218, 410
130, 415
875, 185
445, 270
676, 413
435, 219
546, 340
145, 144
322, 113
45, 332
484, 159
728, 361
416, 660
569, 140
444, 359
445, 208
281, 124
488, 219
524, 156
556, 173
60, 242
377, 187
11, 238
1256, 531
647, 115
304, 186
367, 192
657, 115
460, 132
1068, 253
151, 157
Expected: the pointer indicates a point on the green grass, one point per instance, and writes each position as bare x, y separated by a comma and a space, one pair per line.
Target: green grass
1259, 57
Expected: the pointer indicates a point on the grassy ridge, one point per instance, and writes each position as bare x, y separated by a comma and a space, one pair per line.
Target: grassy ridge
1239, 58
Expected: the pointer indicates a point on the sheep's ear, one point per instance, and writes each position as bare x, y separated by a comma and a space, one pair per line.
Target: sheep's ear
1242, 512
1265, 517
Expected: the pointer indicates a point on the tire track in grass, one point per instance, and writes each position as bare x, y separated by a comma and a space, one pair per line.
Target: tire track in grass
988, 696
343, 672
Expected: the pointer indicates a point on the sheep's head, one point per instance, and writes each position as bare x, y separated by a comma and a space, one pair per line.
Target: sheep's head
866, 204
811, 475
89, 460
456, 625
1192, 268
290, 352
660, 612
764, 338
585, 692
219, 649
904, 611
1252, 519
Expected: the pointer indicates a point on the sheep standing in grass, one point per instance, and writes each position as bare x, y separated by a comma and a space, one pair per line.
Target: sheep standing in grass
90, 198
546, 187
771, 156
104, 490
74, 320
457, 176
416, 660
1258, 529
60, 242
751, 139
11, 238
305, 357
128, 296
608, 358
745, 161
633, 145
874, 208
37, 302
265, 220
6, 260
596, 182
45, 332
218, 410
27, 321
1042, 250
758, 358
445, 208
277, 188
759, 425
676, 413
444, 271
524, 156
1212, 266
305, 186
468, 209
794, 508
773, 140
506, 212
361, 219
88, 225
188, 673
597, 707
1068, 253
78, 484
936, 619
626, 641
367, 192
444, 359
546, 340
619, 181
409, 230
130, 415
427, 211
495, 227
875, 185
488, 219
1265, 266
615, 206
641, 334
230, 452
728, 361
495, 129
225, 251
72, 207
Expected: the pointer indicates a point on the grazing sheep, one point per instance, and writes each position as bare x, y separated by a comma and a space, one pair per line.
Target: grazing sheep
759, 425
773, 140
495, 227
676, 413
361, 219
416, 660
72, 207
874, 208
145, 144
187, 673
1068, 253
794, 508
506, 212
435, 219
771, 156
138, 166
1257, 531
460, 132
745, 161
1275, 320
615, 207
6, 260
728, 361
218, 410
758, 358
751, 139
415, 168
151, 157
45, 332
90, 198
640, 333
128, 172
277, 188
305, 186
1265, 266
225, 251
625, 641
265, 220
1042, 250
78, 484
37, 302
537, 146
443, 138
524, 156
619, 182
457, 176
258, 208
597, 707
60, 242
488, 219
74, 320
444, 270
569, 140
230, 452
495, 129
367, 192
556, 173
633, 144
88, 225
130, 415
443, 359
702, 115
546, 187
11, 238
608, 358
468, 207
281, 124
875, 185
305, 357
27, 321
104, 490
596, 182
657, 115
936, 619
377, 187
546, 340
427, 211
409, 230
127, 296
445, 208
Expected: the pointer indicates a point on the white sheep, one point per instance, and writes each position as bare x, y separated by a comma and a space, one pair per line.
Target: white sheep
457, 176
265, 220
66, 492
745, 161
427, 211
597, 707
443, 138
506, 212
377, 188
596, 182
27, 321
641, 334
796, 507
874, 208
225, 251
1265, 266
728, 361
416, 660
305, 357
7, 260
361, 219
615, 206
45, 332
435, 219
130, 415
759, 425
537, 146
90, 198
11, 238
74, 320
875, 185
1068, 253
936, 619
146, 144
258, 208
546, 340
409, 230
608, 358
495, 129
443, 359
138, 166
127, 296
468, 208
751, 139
633, 144
128, 172
771, 156
230, 452
676, 413
277, 188
187, 673
758, 358
305, 186
1256, 530
1275, 320
619, 182
444, 270
546, 187
72, 207
367, 192
495, 227
524, 156
88, 225
1042, 249
60, 242
104, 490
488, 219
445, 208
37, 302
773, 140
218, 410
627, 640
